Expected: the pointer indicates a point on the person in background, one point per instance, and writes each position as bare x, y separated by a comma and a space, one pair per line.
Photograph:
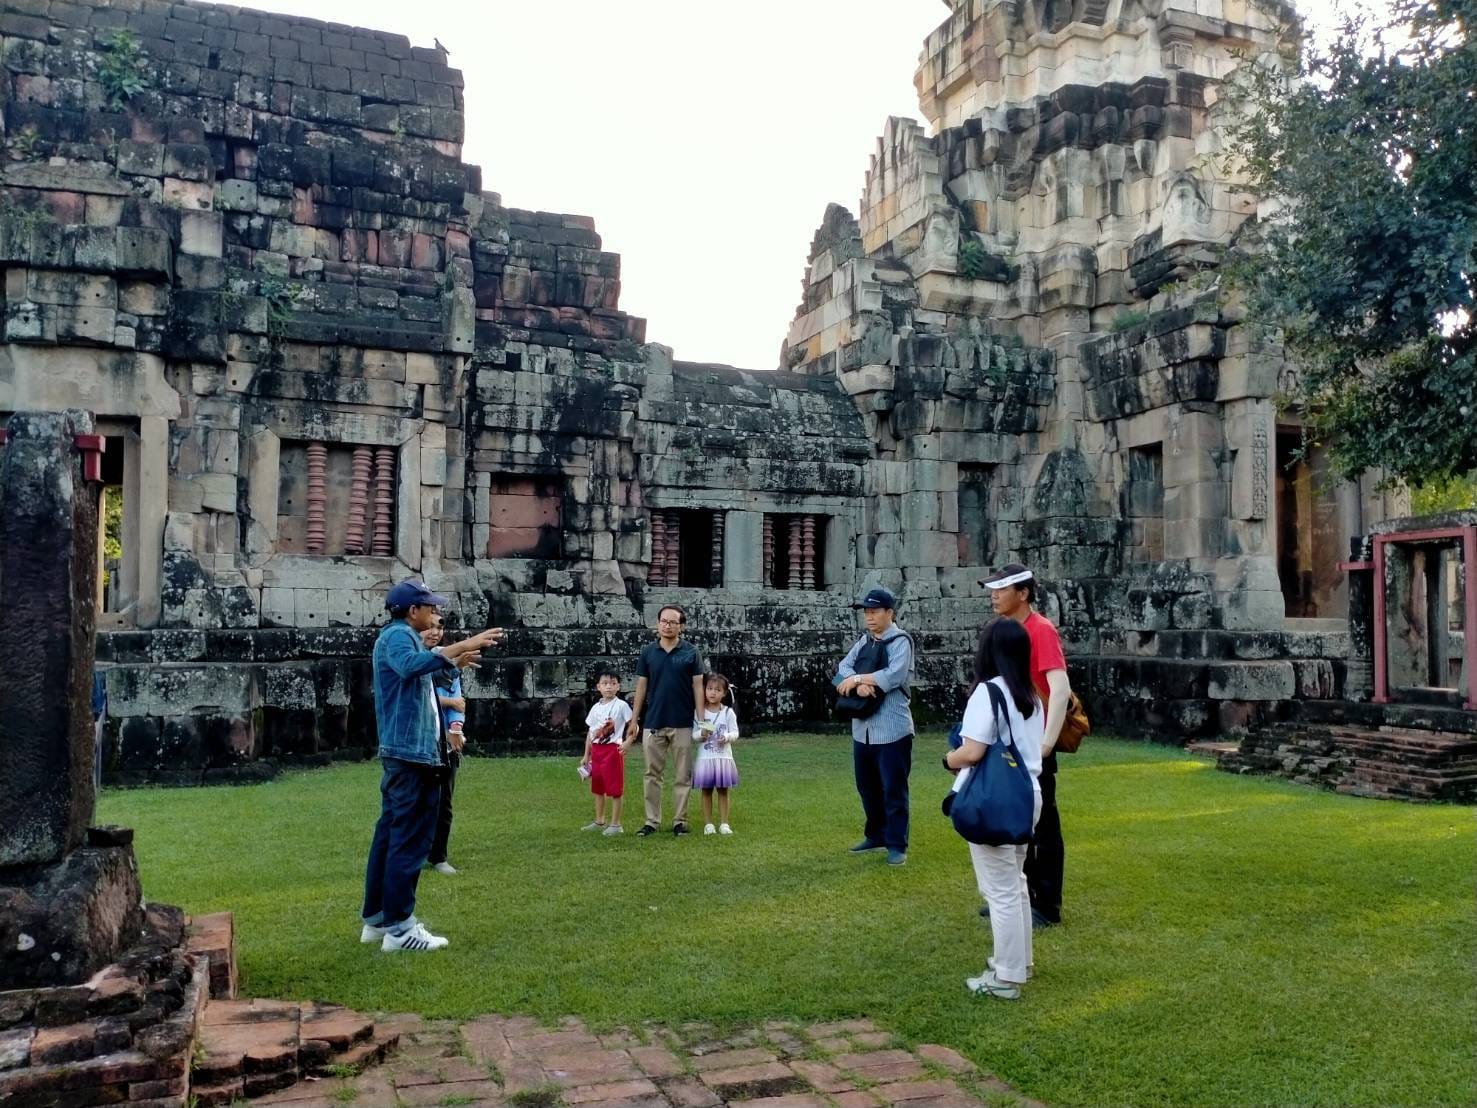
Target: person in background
453, 708
714, 730
604, 758
669, 687
880, 664
1013, 595
1002, 661
99, 722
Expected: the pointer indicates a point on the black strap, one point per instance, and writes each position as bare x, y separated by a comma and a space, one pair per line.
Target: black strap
906, 687
997, 702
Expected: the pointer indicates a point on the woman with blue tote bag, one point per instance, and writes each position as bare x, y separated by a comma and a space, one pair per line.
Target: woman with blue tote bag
1003, 709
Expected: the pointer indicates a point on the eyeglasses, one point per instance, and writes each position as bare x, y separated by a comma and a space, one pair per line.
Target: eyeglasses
671, 622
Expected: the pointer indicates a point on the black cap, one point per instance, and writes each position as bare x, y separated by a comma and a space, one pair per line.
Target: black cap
1005, 576
877, 598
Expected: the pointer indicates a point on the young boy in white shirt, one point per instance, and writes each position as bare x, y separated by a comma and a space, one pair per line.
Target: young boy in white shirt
603, 758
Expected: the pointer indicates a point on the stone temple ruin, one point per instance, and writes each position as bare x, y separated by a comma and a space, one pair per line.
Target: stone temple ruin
323, 358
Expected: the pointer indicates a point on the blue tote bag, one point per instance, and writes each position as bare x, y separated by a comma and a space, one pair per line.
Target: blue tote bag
997, 804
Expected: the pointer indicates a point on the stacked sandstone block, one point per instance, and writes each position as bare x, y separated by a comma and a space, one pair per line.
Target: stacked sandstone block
123, 1037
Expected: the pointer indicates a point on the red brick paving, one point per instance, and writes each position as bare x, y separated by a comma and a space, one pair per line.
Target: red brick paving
728, 1059
943, 1056
823, 1076
689, 1092
781, 1065
807, 1100
656, 1061
614, 1090
903, 1092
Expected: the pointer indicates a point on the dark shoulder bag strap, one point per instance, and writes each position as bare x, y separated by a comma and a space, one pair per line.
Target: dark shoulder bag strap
997, 702
906, 688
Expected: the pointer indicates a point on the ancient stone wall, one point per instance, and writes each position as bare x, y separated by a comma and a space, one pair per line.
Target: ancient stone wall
324, 359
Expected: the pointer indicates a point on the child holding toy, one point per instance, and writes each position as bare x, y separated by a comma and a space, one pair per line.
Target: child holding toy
603, 759
714, 730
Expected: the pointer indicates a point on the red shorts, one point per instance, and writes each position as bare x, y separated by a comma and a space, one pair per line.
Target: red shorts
607, 770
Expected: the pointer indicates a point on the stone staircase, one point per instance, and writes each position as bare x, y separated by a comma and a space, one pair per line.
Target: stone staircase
1362, 759
248, 1048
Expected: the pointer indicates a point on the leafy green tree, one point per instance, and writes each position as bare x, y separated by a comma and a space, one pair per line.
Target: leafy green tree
1444, 495
1371, 146
112, 522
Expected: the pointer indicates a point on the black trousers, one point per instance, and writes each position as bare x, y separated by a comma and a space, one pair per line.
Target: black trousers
1048, 854
443, 814
882, 782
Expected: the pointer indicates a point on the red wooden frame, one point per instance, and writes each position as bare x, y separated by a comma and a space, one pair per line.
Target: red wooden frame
1468, 535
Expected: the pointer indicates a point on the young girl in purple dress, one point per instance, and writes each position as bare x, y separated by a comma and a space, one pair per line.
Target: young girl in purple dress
714, 729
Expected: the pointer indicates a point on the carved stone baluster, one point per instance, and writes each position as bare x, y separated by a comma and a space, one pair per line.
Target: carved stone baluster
657, 574
383, 543
807, 552
768, 551
716, 577
674, 547
793, 576
358, 497
317, 498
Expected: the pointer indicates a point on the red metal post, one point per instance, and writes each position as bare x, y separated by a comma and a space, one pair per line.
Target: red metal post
1381, 665
1469, 624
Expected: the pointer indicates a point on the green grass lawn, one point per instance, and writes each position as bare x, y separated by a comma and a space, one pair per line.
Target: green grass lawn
1227, 941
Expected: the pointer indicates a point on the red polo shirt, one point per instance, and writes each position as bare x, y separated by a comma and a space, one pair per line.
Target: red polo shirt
1046, 652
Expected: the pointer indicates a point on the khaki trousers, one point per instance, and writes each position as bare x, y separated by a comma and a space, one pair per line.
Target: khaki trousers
655, 744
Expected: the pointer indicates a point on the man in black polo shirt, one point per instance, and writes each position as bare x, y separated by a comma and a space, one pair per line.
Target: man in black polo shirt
669, 677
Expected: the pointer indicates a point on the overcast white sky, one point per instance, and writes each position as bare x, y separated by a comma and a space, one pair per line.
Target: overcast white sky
704, 137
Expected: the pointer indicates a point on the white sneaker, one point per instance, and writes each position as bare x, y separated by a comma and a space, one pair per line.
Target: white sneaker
593, 825
371, 933
709, 829
724, 829
986, 984
613, 829
445, 867
414, 938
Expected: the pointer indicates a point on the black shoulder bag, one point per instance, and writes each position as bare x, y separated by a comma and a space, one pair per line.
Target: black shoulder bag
871, 658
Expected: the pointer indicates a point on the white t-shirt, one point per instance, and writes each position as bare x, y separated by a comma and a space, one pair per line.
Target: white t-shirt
979, 725
720, 718
617, 710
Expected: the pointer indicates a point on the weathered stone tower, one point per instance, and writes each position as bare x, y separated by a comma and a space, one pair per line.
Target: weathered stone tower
1070, 197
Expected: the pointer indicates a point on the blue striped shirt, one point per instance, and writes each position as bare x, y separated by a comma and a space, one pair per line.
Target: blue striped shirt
894, 720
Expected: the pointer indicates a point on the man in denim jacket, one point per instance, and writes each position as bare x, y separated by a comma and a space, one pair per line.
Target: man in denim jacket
406, 711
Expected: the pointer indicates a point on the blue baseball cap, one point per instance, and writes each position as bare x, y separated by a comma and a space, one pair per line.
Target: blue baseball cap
407, 593
877, 598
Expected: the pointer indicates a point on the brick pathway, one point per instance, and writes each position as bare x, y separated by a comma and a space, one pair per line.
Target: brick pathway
518, 1063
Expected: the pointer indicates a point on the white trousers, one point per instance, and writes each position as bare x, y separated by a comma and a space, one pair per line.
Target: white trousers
1000, 871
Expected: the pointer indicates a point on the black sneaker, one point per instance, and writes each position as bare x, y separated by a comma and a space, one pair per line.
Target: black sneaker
985, 911
679, 828
646, 829
1039, 922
